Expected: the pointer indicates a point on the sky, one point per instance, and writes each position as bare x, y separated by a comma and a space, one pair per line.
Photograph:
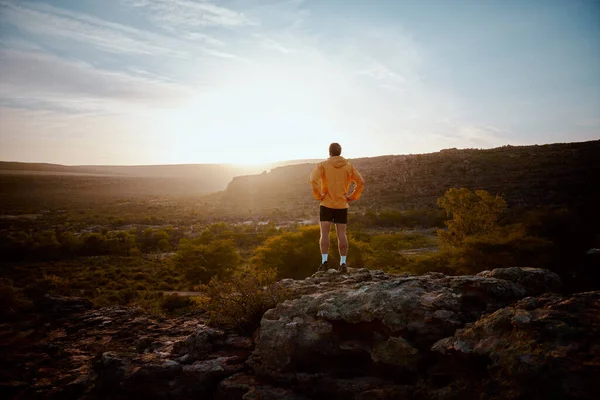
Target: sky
129, 82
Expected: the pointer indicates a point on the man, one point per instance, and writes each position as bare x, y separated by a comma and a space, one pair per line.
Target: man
330, 182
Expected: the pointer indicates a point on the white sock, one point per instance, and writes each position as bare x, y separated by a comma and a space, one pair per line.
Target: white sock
342, 260
323, 257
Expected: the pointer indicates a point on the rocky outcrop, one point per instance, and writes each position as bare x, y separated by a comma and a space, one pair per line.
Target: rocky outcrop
118, 353
541, 347
369, 324
362, 335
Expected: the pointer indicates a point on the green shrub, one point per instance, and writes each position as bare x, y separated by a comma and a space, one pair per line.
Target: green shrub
473, 213
201, 262
384, 251
163, 245
400, 241
174, 303
164, 286
508, 247
240, 302
296, 255
49, 284
441, 261
126, 296
499, 250
140, 276
12, 300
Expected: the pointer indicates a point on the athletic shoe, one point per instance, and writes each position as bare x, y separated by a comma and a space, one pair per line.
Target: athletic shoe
323, 267
343, 269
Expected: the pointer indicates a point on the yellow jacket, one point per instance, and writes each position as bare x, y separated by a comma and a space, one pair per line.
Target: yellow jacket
335, 175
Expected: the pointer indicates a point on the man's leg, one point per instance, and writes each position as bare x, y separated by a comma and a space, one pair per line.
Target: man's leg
324, 243
324, 240
340, 230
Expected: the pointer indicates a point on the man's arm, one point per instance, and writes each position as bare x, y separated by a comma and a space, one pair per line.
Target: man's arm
315, 180
360, 185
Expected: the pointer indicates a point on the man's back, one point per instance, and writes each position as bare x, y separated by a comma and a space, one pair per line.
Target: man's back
336, 174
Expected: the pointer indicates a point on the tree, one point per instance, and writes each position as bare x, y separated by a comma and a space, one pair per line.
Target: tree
473, 213
164, 245
120, 242
94, 244
200, 262
291, 254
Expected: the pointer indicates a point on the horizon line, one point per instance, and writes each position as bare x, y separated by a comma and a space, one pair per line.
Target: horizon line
299, 160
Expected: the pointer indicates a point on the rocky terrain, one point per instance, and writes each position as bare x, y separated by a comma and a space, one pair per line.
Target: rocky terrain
501, 334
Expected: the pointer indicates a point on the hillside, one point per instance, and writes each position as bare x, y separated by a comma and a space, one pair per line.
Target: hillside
553, 174
562, 173
201, 178
45, 168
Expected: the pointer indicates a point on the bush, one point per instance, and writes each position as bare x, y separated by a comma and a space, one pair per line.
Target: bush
424, 218
400, 241
126, 296
163, 245
149, 301
500, 250
384, 251
174, 303
473, 213
49, 284
139, 276
296, 255
201, 262
12, 300
430, 262
509, 247
239, 303
292, 255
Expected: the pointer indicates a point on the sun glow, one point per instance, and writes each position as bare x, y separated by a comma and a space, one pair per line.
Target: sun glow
259, 119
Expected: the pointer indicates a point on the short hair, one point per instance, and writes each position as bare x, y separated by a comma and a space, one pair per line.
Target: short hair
335, 149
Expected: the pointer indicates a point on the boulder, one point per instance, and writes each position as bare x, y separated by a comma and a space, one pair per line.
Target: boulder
539, 347
537, 281
373, 324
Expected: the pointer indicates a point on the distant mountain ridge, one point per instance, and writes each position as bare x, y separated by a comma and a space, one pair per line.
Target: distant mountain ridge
212, 177
150, 170
551, 174
44, 167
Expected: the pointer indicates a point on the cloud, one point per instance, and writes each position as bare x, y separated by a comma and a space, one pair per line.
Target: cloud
380, 72
47, 21
192, 14
41, 78
33, 77
201, 70
273, 44
197, 36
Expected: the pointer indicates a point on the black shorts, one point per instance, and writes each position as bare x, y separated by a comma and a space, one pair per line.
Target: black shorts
335, 215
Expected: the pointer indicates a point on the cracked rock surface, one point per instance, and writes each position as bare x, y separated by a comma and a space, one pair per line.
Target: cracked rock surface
501, 334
